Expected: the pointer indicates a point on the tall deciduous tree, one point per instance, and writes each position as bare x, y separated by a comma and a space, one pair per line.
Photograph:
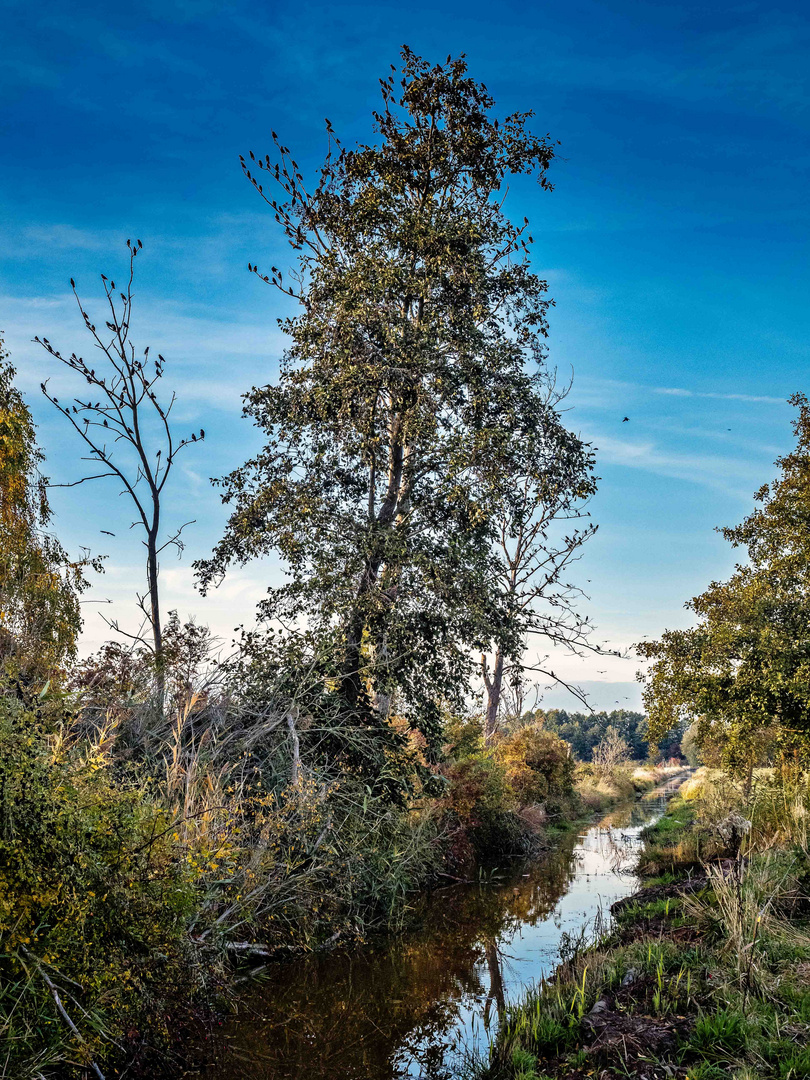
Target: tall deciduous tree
128, 432
743, 672
413, 379
39, 586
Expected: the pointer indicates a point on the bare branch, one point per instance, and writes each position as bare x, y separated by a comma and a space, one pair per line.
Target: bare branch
128, 408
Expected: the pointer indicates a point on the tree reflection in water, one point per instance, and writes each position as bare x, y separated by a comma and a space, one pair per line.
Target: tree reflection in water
402, 1008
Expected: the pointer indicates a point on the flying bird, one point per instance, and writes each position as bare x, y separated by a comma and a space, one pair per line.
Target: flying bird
625, 419
107, 532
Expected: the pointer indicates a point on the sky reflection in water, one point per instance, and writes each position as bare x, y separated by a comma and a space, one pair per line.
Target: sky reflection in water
410, 1008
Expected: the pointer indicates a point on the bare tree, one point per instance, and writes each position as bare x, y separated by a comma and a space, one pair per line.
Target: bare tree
611, 752
128, 434
535, 549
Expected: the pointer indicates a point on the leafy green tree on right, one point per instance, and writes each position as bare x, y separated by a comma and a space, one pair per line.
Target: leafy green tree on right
742, 674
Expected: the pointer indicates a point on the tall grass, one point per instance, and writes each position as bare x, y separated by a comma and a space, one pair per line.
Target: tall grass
143, 849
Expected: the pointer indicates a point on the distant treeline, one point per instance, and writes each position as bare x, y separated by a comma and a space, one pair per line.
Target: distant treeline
583, 731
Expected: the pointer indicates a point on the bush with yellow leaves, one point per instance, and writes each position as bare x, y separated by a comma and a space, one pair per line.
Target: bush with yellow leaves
93, 905
539, 767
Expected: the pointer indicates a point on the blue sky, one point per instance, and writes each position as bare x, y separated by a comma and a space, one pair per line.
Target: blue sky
675, 244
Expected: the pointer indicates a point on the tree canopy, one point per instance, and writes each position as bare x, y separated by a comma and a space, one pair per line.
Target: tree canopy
584, 731
743, 672
40, 616
411, 396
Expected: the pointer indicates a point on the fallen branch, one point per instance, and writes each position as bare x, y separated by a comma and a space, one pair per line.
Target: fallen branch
64, 1013
249, 947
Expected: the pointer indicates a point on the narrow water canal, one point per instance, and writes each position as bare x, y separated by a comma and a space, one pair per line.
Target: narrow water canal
413, 1007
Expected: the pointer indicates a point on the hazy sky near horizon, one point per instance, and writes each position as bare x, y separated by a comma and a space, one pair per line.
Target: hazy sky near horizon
675, 244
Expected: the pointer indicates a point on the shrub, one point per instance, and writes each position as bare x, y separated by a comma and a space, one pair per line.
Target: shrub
93, 902
478, 790
539, 766
481, 803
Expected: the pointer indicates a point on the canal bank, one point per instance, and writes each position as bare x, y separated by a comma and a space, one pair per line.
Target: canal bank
704, 973
419, 1005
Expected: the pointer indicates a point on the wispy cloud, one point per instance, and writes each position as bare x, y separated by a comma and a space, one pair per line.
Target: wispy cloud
34, 239
676, 391
709, 470
594, 392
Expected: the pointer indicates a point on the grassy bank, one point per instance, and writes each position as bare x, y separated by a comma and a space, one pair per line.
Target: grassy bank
706, 973
599, 791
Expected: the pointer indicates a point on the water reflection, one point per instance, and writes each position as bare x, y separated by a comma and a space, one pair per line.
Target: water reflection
404, 1009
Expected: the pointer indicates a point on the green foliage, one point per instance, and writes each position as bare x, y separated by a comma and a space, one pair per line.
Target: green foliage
719, 1032
539, 766
39, 608
584, 731
405, 406
706, 1070
482, 802
791, 1062
743, 671
91, 896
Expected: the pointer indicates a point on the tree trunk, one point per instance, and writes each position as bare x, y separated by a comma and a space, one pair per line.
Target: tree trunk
154, 608
494, 687
396, 494
350, 682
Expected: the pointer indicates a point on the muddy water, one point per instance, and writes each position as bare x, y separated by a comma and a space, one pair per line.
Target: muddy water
414, 1007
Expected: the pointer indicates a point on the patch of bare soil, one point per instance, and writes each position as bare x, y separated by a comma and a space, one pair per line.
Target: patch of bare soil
660, 892
623, 1039
655, 928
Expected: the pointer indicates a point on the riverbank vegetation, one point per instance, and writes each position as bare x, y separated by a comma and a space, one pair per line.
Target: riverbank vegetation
705, 972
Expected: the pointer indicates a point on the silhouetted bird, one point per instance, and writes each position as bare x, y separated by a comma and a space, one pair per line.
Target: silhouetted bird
107, 532
625, 419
